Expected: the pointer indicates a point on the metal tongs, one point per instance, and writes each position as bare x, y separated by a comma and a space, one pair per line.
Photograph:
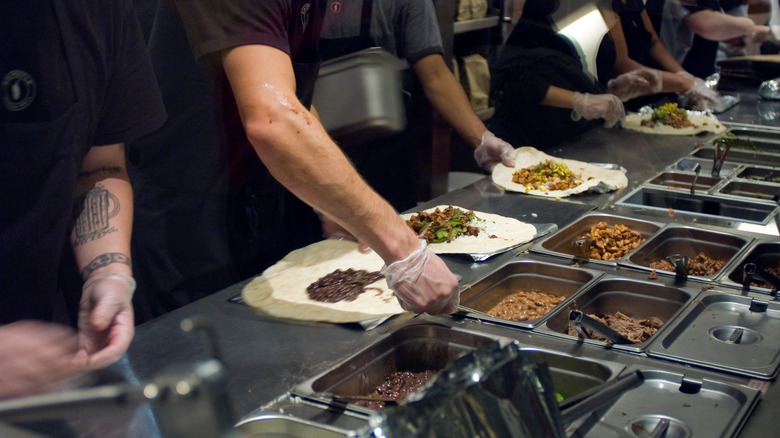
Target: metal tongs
722, 148
751, 271
694, 167
597, 396
680, 264
581, 321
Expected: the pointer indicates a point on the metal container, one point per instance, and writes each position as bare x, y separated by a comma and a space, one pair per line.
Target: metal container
432, 347
359, 96
685, 407
754, 190
744, 156
525, 275
700, 204
294, 417
683, 181
731, 333
765, 255
759, 173
688, 242
684, 165
563, 242
636, 299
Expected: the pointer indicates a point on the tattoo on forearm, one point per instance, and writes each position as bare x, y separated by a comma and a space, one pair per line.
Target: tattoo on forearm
93, 213
105, 260
113, 170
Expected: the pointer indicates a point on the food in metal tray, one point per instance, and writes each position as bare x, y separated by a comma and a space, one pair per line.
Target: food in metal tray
397, 386
636, 330
612, 243
524, 306
701, 265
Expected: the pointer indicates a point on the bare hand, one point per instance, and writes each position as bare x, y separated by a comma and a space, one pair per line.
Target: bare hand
106, 324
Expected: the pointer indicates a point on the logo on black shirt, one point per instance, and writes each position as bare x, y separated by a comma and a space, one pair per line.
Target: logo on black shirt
18, 89
305, 16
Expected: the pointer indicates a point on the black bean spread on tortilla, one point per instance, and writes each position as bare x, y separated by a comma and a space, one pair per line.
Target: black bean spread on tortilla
443, 225
342, 285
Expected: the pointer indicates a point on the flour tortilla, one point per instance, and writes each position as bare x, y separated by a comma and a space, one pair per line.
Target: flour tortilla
281, 289
508, 233
593, 177
702, 123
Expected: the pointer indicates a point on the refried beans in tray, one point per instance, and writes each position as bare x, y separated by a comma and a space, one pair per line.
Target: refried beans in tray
524, 306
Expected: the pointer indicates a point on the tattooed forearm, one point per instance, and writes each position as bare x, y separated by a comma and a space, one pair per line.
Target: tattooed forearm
105, 260
114, 170
93, 213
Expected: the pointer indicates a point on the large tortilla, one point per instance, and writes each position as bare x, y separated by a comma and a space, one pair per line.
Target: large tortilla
281, 289
506, 233
594, 177
702, 123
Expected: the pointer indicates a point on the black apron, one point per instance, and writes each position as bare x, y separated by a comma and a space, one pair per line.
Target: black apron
31, 250
385, 163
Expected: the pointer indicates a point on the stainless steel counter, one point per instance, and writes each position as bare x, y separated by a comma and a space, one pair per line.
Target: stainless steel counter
265, 357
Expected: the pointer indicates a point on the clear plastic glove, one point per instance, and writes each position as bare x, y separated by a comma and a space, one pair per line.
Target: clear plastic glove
492, 151
594, 106
699, 96
37, 357
106, 324
639, 82
423, 283
332, 230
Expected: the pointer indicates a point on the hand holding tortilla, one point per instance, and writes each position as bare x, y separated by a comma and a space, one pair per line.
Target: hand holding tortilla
669, 119
536, 173
456, 230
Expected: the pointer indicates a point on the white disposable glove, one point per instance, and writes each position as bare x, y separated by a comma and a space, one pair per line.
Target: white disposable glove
492, 151
423, 283
106, 324
699, 96
594, 106
639, 82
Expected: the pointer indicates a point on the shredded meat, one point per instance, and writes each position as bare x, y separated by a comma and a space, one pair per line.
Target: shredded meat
522, 306
700, 265
772, 271
635, 330
443, 225
342, 285
612, 243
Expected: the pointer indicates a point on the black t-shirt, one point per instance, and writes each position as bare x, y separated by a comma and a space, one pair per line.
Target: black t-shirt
73, 75
637, 37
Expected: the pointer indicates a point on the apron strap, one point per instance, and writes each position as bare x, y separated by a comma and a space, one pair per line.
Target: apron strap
365, 21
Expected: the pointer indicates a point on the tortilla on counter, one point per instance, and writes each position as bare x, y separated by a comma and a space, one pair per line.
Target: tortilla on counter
506, 233
701, 121
281, 289
594, 178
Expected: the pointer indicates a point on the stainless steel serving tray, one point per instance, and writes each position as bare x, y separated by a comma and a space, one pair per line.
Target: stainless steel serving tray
744, 156
726, 332
634, 298
689, 242
560, 243
692, 408
425, 346
290, 416
523, 275
682, 181
763, 253
683, 164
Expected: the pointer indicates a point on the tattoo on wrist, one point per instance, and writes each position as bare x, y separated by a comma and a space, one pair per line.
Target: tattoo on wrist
105, 260
113, 170
92, 215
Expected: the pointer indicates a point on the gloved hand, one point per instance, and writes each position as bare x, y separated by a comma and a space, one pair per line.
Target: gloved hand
639, 82
699, 96
423, 283
492, 151
37, 357
106, 324
594, 106
332, 230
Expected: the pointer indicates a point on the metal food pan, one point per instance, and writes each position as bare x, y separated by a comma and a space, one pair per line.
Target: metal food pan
745, 189
726, 332
689, 242
764, 254
689, 407
280, 425
700, 204
745, 156
560, 243
757, 134
684, 164
683, 181
636, 299
757, 173
415, 348
420, 349
524, 275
